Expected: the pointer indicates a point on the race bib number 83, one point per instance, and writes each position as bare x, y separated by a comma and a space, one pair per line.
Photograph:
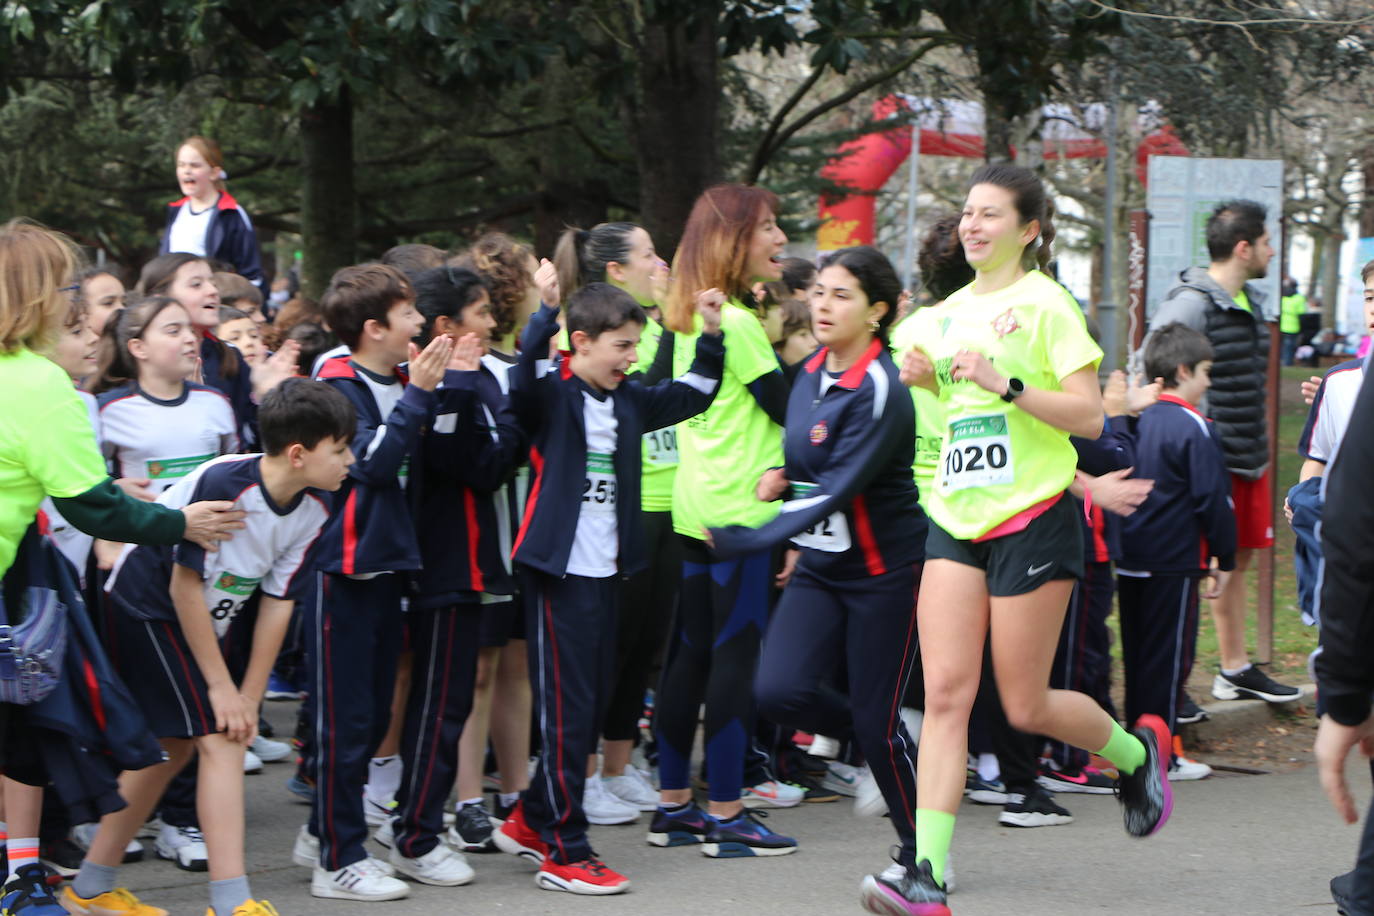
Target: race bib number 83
977, 453
225, 595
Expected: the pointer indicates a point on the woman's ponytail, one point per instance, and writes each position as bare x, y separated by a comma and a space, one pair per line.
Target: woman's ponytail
568, 258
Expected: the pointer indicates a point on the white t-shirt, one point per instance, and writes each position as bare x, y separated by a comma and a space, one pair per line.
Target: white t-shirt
189, 229
387, 394
164, 441
74, 543
1341, 388
596, 544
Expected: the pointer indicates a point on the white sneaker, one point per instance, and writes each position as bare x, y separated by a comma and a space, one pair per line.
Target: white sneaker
824, 746
442, 866
377, 813
1185, 770
84, 834
868, 798
633, 789
601, 807
385, 835
184, 846
306, 853
269, 751
842, 778
363, 880
252, 763
772, 794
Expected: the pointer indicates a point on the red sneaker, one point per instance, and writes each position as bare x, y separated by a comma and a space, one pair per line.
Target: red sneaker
519, 839
590, 876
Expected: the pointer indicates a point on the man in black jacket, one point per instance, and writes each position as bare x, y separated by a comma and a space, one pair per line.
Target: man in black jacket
1345, 667
1219, 301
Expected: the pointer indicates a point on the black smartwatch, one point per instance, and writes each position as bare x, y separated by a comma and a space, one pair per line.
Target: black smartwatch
1015, 388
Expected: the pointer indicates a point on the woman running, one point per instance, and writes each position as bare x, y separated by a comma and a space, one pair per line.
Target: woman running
1010, 359
852, 509
731, 241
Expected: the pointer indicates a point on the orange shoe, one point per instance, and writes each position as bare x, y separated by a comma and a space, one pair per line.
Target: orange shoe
118, 902
516, 837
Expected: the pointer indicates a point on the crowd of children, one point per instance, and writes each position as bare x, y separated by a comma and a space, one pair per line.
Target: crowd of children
490, 501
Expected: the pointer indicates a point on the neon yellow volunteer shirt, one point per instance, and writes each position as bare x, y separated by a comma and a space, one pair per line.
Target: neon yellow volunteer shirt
1243, 301
660, 446
47, 446
723, 452
997, 460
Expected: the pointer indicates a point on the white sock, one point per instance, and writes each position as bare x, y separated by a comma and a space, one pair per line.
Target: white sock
509, 798
988, 767
384, 778
21, 851
471, 801
1234, 672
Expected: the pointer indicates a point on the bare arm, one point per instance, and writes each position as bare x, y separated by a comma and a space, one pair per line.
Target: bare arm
274, 616
232, 713
1077, 409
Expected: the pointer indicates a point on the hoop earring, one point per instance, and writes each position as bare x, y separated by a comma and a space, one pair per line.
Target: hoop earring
873, 325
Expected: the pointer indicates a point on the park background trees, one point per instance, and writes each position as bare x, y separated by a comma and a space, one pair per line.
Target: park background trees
352, 125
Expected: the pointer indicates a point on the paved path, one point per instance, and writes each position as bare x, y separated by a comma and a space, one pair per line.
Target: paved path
1237, 846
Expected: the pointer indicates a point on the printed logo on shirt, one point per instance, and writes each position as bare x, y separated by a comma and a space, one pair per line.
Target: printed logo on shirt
236, 585
171, 468
1005, 324
819, 433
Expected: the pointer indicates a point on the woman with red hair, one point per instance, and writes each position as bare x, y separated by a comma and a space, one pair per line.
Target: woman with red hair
731, 241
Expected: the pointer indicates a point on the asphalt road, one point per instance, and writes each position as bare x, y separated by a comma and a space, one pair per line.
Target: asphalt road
1253, 845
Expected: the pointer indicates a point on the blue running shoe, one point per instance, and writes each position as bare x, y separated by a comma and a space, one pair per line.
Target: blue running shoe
303, 790
743, 836
686, 827
28, 893
280, 689
982, 791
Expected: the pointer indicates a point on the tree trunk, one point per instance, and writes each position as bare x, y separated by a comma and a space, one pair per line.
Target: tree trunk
676, 125
329, 206
1331, 279
1367, 203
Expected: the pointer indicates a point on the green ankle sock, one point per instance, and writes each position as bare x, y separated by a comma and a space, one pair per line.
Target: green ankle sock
934, 832
1124, 750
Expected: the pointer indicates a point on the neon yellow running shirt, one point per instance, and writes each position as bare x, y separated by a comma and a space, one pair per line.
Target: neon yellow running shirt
659, 446
723, 452
997, 460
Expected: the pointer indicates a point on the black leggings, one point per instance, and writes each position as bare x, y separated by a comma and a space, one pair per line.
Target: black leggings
722, 612
648, 600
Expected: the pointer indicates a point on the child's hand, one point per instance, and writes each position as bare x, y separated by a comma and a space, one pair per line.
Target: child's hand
917, 370
709, 302
427, 367
106, 553
1309, 389
772, 485
658, 281
789, 565
235, 714
284, 364
1219, 578
546, 279
467, 354
1139, 397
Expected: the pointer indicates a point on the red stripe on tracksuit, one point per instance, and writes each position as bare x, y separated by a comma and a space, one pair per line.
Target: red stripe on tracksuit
350, 534
864, 525
474, 539
537, 466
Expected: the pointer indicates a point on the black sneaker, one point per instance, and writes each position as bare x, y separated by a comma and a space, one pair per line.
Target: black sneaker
1032, 807
62, 856
1189, 713
1145, 796
501, 812
1342, 886
1253, 684
472, 829
745, 835
910, 892
815, 792
30, 891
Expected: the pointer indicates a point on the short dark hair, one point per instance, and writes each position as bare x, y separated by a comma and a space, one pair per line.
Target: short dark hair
1233, 222
600, 307
229, 313
235, 287
446, 291
304, 411
413, 260
356, 294
1172, 346
876, 276
944, 269
798, 273
1366, 272
313, 339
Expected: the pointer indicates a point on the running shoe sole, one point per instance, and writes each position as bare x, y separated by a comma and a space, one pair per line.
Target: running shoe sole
1225, 690
507, 844
743, 850
987, 797
548, 882
675, 838
1033, 819
875, 897
329, 891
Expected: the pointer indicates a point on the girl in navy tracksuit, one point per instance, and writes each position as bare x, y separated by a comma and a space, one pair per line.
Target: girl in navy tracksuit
581, 533
461, 463
852, 507
1168, 543
225, 233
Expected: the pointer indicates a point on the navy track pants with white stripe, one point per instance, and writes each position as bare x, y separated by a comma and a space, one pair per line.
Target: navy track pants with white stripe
443, 646
870, 625
570, 629
1159, 618
354, 630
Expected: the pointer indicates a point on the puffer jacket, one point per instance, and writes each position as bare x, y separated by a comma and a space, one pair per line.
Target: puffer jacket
1240, 339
